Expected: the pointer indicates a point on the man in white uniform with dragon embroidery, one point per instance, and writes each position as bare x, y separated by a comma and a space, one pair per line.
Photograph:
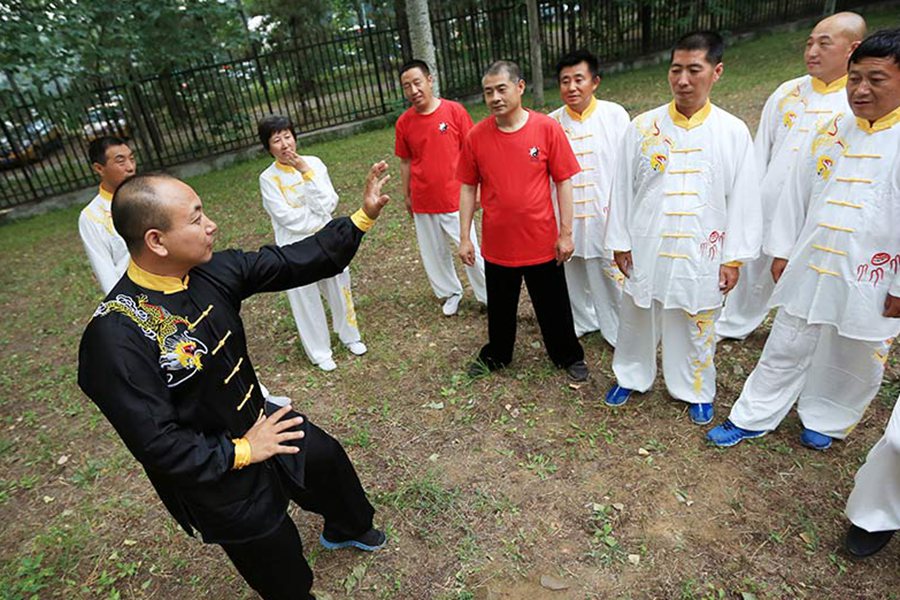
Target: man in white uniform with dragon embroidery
788, 119
113, 161
684, 214
594, 128
299, 197
836, 241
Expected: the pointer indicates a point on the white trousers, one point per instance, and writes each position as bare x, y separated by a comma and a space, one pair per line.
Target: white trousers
832, 378
433, 231
595, 292
748, 303
874, 503
309, 314
688, 350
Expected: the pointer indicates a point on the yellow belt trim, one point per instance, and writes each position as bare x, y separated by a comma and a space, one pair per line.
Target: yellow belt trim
202, 316
584, 216
844, 203
836, 227
827, 249
680, 214
822, 271
853, 180
686, 150
685, 171
234, 371
221, 342
671, 255
818, 111
863, 156
682, 194
678, 235
246, 397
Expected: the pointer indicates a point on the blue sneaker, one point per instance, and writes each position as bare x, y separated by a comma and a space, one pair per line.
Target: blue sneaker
728, 434
370, 541
701, 414
617, 395
815, 440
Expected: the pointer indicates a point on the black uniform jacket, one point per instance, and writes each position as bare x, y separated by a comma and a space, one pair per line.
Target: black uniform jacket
166, 361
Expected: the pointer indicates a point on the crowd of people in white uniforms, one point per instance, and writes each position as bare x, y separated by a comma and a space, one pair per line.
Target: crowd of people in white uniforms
659, 222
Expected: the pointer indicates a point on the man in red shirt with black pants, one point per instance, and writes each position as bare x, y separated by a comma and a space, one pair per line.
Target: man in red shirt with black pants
513, 154
429, 138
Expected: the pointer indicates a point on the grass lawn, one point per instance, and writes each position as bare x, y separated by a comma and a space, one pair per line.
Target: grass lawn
484, 487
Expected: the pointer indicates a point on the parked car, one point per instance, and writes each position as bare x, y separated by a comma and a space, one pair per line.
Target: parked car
105, 119
30, 142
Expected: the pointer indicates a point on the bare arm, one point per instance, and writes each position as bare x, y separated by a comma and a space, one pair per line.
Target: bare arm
564, 245
466, 214
404, 184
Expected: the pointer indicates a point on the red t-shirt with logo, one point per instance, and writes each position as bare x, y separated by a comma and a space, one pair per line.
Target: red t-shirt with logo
432, 143
514, 169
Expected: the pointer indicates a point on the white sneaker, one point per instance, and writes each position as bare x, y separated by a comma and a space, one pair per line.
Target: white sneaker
357, 348
451, 305
327, 365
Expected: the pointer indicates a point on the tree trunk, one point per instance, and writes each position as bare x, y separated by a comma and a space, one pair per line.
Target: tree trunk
421, 38
537, 62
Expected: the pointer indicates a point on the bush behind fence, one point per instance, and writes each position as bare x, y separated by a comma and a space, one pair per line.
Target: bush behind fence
212, 109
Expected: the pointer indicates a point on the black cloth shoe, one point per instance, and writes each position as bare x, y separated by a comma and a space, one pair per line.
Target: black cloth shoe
370, 541
477, 368
861, 543
578, 371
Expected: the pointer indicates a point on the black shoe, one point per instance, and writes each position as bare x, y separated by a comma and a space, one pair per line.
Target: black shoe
861, 543
477, 369
370, 541
578, 371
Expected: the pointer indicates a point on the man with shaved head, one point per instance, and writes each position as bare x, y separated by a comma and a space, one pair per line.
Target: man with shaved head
835, 239
165, 359
789, 117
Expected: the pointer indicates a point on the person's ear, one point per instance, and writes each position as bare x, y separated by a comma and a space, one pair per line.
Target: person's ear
98, 169
154, 242
720, 68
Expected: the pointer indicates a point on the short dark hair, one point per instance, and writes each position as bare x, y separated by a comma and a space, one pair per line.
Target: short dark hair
710, 41
98, 147
881, 44
507, 66
136, 207
415, 64
269, 126
576, 57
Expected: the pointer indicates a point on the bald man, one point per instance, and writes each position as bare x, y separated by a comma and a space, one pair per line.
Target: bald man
790, 116
165, 359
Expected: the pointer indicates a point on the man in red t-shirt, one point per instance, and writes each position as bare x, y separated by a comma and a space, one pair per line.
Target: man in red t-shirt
429, 137
513, 154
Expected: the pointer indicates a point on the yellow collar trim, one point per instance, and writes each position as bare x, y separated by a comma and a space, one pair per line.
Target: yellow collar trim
105, 194
689, 123
285, 168
587, 112
157, 283
885, 122
829, 88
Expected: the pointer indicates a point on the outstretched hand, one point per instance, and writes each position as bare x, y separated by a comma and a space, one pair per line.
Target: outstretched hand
373, 199
268, 435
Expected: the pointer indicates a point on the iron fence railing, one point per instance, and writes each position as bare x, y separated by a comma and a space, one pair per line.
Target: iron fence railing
212, 109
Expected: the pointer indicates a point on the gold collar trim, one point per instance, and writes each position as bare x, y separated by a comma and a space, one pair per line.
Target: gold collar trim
157, 283
285, 168
105, 194
587, 112
695, 120
829, 88
885, 122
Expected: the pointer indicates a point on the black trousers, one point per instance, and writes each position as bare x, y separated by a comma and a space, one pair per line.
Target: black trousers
274, 565
546, 285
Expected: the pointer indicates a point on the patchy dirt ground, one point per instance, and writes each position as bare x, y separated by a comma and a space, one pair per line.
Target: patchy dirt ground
502, 488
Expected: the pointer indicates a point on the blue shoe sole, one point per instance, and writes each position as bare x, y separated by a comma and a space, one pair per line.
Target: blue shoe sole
706, 422
621, 402
736, 441
815, 447
348, 544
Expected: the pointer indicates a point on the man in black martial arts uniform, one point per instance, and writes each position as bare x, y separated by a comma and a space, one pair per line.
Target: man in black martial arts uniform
165, 359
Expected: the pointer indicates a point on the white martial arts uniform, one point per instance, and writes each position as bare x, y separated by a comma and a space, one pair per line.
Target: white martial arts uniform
105, 249
789, 118
685, 201
593, 280
299, 205
838, 223
433, 230
874, 503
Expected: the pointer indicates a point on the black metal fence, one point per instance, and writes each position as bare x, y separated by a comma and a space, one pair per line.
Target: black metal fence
200, 112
